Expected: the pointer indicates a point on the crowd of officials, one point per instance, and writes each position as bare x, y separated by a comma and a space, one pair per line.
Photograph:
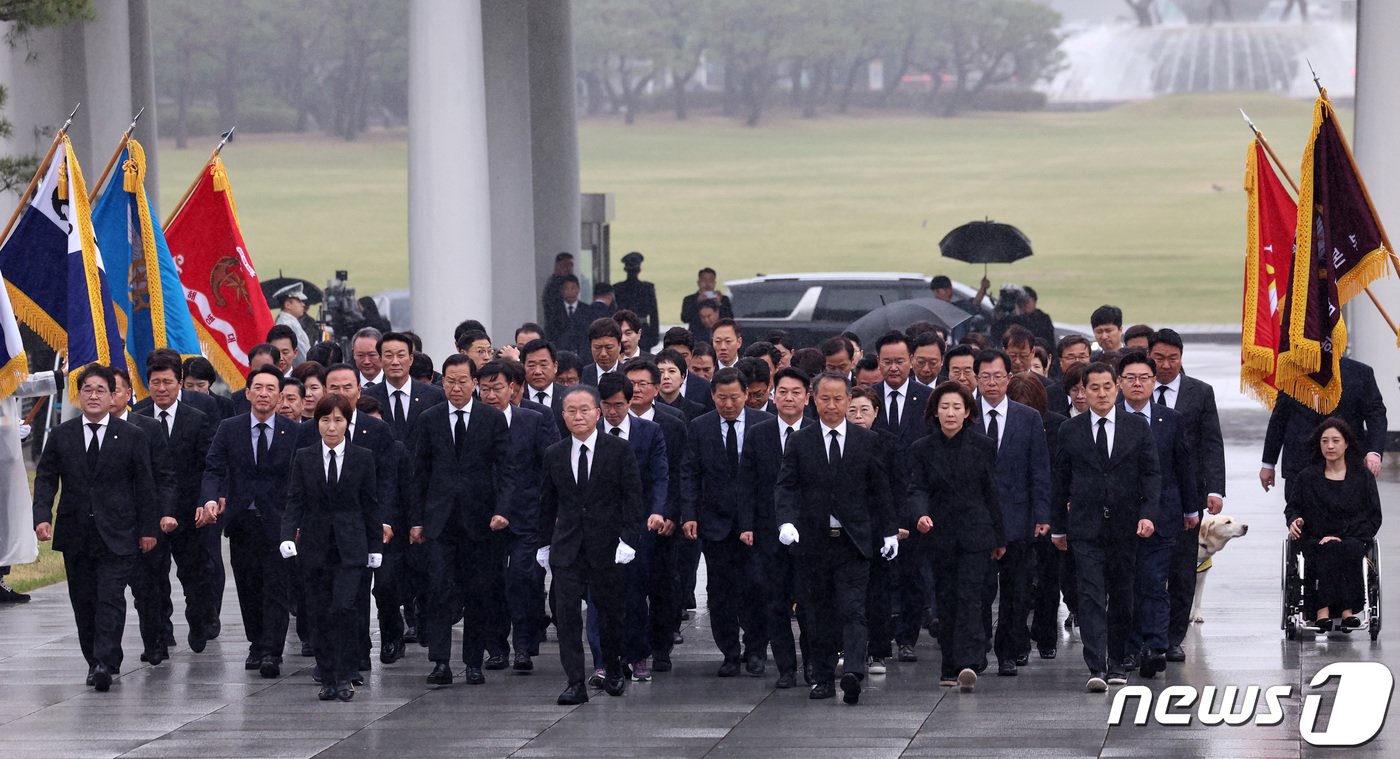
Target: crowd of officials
865, 494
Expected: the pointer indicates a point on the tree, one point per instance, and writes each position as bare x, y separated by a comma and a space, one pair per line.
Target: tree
991, 42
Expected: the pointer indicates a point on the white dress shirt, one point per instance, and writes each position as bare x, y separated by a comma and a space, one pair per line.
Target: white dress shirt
1109, 428
100, 432
156, 411
783, 428
840, 431
903, 391
574, 448
1001, 409
625, 426
738, 430
406, 398
1173, 391
339, 460
547, 400
452, 416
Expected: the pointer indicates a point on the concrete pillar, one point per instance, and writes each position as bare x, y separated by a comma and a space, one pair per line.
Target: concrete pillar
97, 71
554, 138
449, 207
507, 65
143, 93
1378, 155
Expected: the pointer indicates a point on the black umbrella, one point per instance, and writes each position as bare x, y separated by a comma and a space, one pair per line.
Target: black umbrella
985, 242
897, 316
271, 286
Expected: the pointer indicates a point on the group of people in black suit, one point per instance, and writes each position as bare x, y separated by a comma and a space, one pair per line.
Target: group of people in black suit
830, 486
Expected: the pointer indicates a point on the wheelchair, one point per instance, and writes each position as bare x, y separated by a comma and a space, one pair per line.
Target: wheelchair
1298, 592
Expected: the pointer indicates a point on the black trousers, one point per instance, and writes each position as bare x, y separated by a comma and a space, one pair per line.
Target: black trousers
604, 585
262, 578
911, 588
781, 570
97, 580
1181, 583
664, 608
150, 593
1336, 567
192, 570
1011, 576
834, 577
463, 574
1152, 613
212, 539
331, 593
960, 582
726, 566
879, 608
519, 600
1106, 572
1045, 596
687, 565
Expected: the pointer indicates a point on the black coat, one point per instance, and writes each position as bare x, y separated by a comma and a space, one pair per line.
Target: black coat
421, 397
344, 516
675, 426
911, 411
230, 472
468, 490
584, 523
162, 464
377, 437
118, 493
211, 406
531, 434
1347, 509
190, 436
648, 443
1023, 471
1108, 498
1196, 405
1292, 424
709, 486
1179, 480
857, 491
758, 476
953, 483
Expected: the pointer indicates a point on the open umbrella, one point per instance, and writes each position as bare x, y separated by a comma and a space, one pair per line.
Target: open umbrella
897, 316
985, 242
271, 286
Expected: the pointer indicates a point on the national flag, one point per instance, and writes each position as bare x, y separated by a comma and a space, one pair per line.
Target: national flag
54, 271
157, 314
221, 285
1268, 262
1340, 248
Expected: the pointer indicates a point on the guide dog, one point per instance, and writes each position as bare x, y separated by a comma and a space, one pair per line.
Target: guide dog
1216, 531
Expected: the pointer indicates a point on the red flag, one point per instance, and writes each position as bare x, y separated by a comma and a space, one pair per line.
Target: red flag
225, 297
1268, 262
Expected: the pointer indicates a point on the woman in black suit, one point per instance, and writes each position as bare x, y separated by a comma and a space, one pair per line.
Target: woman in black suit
953, 496
331, 523
1334, 512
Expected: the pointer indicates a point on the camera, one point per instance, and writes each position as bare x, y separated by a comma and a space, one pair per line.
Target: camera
340, 314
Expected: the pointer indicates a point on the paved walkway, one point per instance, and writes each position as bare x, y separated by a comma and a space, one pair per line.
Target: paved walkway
207, 706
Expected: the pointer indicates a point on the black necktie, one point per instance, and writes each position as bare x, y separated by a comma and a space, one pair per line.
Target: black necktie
833, 455
1162, 395
894, 410
993, 430
583, 465
1101, 440
459, 431
731, 445
398, 407
165, 424
331, 474
262, 443
539, 397
617, 432
92, 446
787, 435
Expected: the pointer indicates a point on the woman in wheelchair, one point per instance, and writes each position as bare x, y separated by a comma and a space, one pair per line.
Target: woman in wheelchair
1334, 513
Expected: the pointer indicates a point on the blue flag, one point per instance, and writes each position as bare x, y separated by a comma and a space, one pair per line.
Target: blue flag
132, 244
54, 272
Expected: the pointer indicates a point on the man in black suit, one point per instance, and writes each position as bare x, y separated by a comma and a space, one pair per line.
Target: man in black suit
710, 511
590, 511
1291, 425
244, 488
205, 403
519, 601
1148, 640
834, 490
541, 363
401, 400
1023, 491
630, 326
462, 506
706, 291
1106, 487
758, 475
105, 516
1194, 400
188, 432
605, 343
566, 325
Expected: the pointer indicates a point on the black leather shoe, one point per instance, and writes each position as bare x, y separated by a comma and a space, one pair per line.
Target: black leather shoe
345, 691
1047, 653
807, 674
1152, 664
253, 661
496, 661
1006, 669
523, 662
575, 694
390, 652
91, 671
474, 676
821, 690
787, 680
441, 674
358, 679
850, 688
327, 693
319, 680
101, 678
755, 664
908, 654
167, 639
661, 663
196, 640
155, 656
212, 629
1175, 653
1023, 660
270, 667
615, 684
410, 634
9, 595
730, 668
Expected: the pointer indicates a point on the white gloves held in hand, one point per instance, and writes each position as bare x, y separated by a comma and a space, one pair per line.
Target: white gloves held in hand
787, 534
375, 560
891, 548
542, 557
624, 553
288, 549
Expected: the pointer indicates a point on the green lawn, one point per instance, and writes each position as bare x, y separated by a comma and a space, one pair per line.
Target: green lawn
1140, 205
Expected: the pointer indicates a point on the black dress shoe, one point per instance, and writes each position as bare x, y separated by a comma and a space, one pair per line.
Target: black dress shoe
327, 693
155, 656
661, 663
496, 661
1006, 669
306, 649
212, 629
522, 662
390, 652
615, 684
196, 640
1047, 653
1351, 623
358, 679
807, 674
787, 680
850, 688
90, 676
685, 615
575, 694
270, 667
9, 595
474, 676
821, 690
253, 661
730, 668
441, 674
317, 678
1023, 660
345, 691
167, 639
102, 678
1152, 663
1176, 654
410, 634
755, 664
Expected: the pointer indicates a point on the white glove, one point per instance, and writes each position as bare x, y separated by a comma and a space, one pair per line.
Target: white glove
624, 553
787, 534
891, 548
375, 559
24, 431
542, 557
288, 549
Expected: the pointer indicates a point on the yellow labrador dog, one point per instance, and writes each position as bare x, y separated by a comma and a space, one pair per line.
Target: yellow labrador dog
1216, 531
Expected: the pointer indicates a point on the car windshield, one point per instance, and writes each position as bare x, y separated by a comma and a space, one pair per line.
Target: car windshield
767, 301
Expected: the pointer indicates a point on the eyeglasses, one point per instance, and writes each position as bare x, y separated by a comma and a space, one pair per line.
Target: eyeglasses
1137, 379
992, 377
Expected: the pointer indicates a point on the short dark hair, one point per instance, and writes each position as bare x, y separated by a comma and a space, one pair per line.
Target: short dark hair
958, 351
1136, 331
764, 349
706, 270
674, 358
753, 370
333, 402
422, 367
853, 337
1017, 335
630, 318
394, 337
539, 344
282, 332
830, 377
294, 382
781, 338
342, 367
809, 360
515, 371
892, 338
1073, 376
702, 349
1030, 292
200, 368
1106, 314
1136, 357
727, 376
368, 404
326, 353
568, 361
123, 374
1099, 367
612, 383
725, 322
1070, 340
162, 362
677, 336
940, 282
931, 338
603, 328
987, 355
869, 362
568, 278
492, 369
792, 372
601, 287
643, 365
710, 303
467, 337
458, 359
936, 397
1168, 336
417, 341
834, 345
310, 369
529, 327
267, 349
467, 325
268, 370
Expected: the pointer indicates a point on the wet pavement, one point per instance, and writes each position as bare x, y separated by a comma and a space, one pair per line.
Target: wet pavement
207, 705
